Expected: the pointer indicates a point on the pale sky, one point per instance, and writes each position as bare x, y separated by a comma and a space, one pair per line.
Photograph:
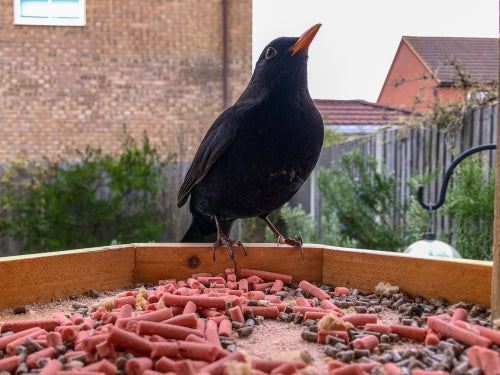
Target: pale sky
353, 50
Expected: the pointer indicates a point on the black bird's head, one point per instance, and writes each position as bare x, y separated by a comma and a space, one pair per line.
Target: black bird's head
282, 64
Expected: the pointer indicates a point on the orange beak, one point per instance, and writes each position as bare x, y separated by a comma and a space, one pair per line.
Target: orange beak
305, 39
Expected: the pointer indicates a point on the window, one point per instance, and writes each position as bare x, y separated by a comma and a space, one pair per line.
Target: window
49, 12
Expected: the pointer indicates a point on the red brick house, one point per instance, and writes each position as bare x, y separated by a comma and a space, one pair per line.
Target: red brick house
426, 67
358, 117
73, 72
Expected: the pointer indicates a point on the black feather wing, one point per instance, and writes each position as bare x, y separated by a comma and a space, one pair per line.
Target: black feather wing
217, 140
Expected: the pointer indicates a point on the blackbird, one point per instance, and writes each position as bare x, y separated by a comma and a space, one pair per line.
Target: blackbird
259, 152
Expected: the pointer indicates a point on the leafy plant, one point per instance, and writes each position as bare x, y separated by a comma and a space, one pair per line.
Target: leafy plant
255, 230
363, 198
298, 223
100, 199
332, 137
470, 203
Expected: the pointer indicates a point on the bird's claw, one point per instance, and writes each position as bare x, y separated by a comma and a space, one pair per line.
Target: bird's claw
298, 242
222, 240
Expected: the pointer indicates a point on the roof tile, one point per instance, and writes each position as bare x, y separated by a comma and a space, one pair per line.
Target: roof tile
477, 56
358, 112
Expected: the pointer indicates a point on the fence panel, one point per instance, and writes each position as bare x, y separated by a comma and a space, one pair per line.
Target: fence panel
409, 152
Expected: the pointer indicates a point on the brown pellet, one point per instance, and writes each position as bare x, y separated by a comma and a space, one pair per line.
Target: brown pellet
245, 331
248, 314
331, 351
360, 309
331, 340
120, 362
406, 321
358, 353
309, 336
385, 339
385, 357
283, 316
461, 368
415, 364
382, 347
281, 295
345, 356
298, 318
20, 310
237, 325
309, 322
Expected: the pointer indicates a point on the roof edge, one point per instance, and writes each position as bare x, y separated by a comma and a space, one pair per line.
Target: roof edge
372, 104
420, 58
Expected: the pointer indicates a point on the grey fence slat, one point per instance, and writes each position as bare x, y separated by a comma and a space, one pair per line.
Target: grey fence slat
476, 128
486, 125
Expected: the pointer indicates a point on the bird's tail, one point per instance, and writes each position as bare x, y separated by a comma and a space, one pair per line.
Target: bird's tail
202, 229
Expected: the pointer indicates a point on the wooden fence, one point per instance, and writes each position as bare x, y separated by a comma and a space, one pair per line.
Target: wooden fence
406, 153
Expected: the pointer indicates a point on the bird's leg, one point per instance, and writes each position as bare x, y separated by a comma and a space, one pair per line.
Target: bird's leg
298, 242
222, 240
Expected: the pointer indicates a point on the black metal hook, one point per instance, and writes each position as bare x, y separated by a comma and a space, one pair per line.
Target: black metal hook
434, 206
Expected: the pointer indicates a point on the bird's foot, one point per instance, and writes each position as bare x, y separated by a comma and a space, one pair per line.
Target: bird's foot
222, 240
298, 242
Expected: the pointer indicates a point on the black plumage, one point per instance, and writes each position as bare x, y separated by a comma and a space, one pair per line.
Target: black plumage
258, 152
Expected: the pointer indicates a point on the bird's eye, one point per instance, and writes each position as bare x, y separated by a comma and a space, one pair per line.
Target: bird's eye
270, 53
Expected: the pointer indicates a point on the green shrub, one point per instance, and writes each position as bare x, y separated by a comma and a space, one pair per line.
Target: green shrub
98, 200
298, 223
255, 230
360, 209
470, 204
363, 198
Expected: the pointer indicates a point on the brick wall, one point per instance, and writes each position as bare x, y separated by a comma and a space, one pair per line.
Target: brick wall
152, 65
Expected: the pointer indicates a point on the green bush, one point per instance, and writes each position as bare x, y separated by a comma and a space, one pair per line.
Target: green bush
98, 200
298, 223
360, 209
255, 230
363, 198
470, 204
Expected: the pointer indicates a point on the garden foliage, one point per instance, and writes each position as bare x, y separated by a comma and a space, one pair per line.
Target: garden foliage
102, 198
360, 208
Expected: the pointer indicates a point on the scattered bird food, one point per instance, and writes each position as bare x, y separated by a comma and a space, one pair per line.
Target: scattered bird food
206, 324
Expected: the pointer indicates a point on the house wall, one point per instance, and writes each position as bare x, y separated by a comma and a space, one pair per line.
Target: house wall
450, 94
153, 65
409, 78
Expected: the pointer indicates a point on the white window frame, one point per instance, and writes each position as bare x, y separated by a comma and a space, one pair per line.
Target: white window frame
51, 20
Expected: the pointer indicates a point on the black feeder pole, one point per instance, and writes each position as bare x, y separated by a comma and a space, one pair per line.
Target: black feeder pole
434, 206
